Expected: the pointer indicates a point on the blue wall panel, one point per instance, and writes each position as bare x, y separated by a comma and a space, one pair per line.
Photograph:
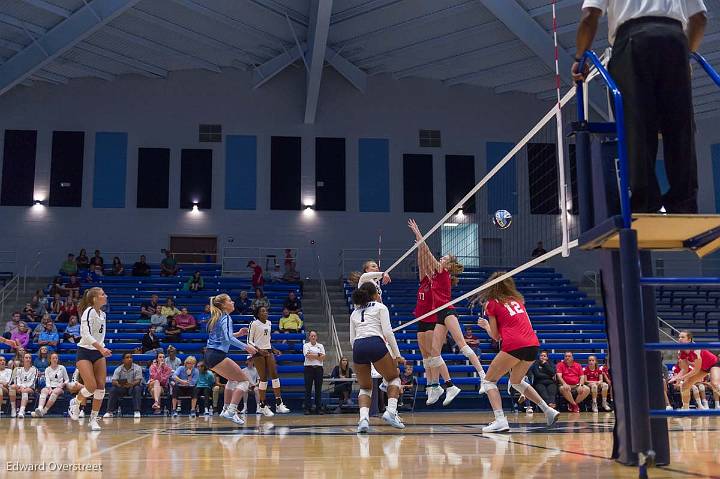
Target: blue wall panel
240, 172
374, 174
502, 188
110, 170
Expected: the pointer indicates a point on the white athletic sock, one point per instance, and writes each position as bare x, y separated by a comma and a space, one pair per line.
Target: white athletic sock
365, 413
499, 414
543, 405
232, 408
392, 405
93, 415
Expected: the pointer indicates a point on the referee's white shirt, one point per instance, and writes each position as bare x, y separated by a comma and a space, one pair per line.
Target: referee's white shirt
317, 349
620, 11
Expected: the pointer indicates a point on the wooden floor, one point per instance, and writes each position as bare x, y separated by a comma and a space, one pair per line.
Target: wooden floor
434, 445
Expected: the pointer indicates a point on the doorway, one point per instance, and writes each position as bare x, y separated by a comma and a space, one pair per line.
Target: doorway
194, 249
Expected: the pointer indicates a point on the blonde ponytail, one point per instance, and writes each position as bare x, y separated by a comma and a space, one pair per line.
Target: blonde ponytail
88, 299
215, 312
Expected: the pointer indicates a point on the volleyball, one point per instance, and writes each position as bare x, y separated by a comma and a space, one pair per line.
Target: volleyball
502, 219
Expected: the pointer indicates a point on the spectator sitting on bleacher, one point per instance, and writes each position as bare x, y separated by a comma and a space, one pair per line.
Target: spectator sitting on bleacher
594, 377
117, 267
293, 303
205, 383
39, 303
169, 308
185, 321
276, 275
542, 377
172, 332
260, 301
94, 274
539, 250
12, 325
82, 261
21, 335
194, 283
289, 322
185, 378
470, 338
23, 382
292, 276
97, 260
407, 383
5, 378
72, 330
126, 381
49, 337
68, 309
172, 360
40, 328
150, 342
243, 305
147, 309
28, 312
257, 278
253, 378
168, 266
42, 360
203, 317
56, 304
572, 380
69, 266
159, 382
344, 388
54, 377
72, 286
158, 321
141, 268
56, 288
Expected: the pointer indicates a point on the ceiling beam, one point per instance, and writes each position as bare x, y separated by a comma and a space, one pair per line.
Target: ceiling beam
152, 71
470, 77
50, 8
279, 9
53, 43
320, 11
222, 47
546, 9
360, 10
516, 18
347, 69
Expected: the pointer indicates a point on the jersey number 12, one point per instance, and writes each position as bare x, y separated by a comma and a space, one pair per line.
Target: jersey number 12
514, 308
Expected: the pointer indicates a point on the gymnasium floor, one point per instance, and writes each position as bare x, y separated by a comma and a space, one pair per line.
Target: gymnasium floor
433, 445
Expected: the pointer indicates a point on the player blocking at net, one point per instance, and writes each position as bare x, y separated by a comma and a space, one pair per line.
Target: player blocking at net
444, 275
508, 321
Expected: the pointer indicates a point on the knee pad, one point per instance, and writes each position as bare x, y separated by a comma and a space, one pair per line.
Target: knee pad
54, 396
262, 385
24, 396
605, 386
276, 383
520, 387
467, 351
231, 385
99, 394
488, 385
694, 389
365, 392
395, 382
426, 363
85, 393
701, 388
435, 361
244, 386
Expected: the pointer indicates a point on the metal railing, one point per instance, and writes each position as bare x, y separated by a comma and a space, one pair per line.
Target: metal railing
11, 289
334, 346
235, 259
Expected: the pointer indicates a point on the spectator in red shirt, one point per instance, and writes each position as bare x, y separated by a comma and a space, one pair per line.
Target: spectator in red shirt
594, 375
185, 321
257, 278
470, 338
572, 381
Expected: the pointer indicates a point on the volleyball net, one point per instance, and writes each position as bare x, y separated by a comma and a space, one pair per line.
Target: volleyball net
522, 213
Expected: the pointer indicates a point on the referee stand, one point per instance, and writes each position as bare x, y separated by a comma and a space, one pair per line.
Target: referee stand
626, 242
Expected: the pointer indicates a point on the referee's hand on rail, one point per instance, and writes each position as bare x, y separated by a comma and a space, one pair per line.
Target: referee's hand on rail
577, 75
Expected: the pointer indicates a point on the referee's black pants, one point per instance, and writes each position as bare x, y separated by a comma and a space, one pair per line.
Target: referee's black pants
313, 377
650, 63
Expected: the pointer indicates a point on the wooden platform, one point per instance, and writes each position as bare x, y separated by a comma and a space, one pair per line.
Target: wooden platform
434, 445
698, 233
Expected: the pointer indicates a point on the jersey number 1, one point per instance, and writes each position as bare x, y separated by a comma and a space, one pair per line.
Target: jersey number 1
515, 309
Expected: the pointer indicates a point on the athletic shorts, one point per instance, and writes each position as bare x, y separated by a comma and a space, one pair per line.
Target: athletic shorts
369, 350
85, 354
441, 315
213, 357
423, 326
528, 353
716, 365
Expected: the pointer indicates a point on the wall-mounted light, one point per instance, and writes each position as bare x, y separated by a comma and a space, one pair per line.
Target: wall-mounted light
308, 210
461, 213
38, 204
195, 207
